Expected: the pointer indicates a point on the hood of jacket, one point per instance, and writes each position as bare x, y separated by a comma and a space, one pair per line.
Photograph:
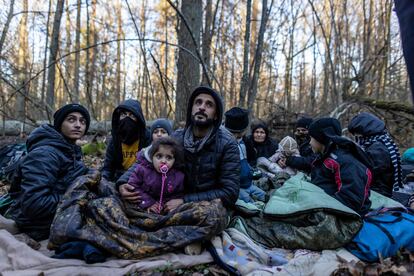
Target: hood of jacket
135, 108
217, 98
366, 124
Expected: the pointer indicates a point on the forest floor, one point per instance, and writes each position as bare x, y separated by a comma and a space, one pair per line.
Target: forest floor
402, 264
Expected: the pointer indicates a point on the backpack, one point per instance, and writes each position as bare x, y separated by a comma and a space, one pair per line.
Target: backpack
10, 158
385, 231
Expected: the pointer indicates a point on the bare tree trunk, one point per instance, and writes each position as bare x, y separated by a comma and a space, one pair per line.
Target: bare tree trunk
68, 60
245, 76
6, 25
258, 55
119, 35
45, 54
54, 47
77, 54
22, 65
188, 68
207, 37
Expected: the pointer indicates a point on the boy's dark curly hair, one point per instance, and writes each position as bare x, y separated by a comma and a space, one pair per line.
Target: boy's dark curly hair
177, 150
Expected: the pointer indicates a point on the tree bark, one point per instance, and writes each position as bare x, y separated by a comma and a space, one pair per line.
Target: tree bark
54, 47
6, 25
77, 54
244, 86
258, 54
188, 68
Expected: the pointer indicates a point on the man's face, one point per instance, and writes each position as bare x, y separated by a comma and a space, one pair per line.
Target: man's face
301, 131
125, 113
203, 112
74, 126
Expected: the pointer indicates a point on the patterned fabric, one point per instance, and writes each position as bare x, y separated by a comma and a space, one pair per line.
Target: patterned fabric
384, 138
92, 211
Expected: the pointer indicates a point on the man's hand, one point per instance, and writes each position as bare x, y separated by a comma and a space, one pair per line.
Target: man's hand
129, 194
282, 162
172, 204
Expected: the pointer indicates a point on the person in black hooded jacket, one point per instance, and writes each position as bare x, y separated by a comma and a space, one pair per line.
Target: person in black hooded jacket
370, 133
53, 162
263, 145
129, 135
341, 168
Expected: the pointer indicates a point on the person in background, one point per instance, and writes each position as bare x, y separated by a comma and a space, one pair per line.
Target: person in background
341, 168
236, 121
129, 135
371, 134
263, 145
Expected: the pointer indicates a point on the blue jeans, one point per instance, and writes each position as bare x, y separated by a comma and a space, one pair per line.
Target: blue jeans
253, 191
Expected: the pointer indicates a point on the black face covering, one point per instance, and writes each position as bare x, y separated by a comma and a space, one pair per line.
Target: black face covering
128, 131
302, 138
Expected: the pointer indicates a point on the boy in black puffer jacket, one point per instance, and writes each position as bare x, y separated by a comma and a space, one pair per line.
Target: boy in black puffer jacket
341, 169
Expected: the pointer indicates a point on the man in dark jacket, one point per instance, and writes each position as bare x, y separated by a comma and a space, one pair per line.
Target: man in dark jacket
129, 135
212, 159
304, 161
341, 169
370, 133
53, 162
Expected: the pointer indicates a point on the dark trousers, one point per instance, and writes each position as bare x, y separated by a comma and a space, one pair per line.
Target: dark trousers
405, 13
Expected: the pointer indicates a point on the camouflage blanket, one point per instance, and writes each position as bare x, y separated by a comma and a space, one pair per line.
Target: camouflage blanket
92, 211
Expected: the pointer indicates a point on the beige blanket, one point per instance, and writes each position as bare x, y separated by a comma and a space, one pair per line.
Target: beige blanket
16, 258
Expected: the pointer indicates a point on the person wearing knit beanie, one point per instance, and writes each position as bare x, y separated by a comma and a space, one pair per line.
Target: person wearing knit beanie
341, 168
61, 113
160, 128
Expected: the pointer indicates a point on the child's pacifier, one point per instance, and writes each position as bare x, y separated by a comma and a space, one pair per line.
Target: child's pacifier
163, 168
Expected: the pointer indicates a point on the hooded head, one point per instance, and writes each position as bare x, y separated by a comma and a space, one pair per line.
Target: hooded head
288, 146
324, 129
304, 122
128, 130
62, 112
366, 124
217, 118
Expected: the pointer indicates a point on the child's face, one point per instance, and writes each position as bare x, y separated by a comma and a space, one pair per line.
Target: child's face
158, 133
164, 156
316, 146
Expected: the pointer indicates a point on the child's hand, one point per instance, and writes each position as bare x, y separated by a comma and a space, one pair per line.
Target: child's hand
282, 162
154, 208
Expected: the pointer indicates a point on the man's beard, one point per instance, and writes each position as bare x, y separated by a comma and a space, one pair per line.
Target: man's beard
202, 124
302, 138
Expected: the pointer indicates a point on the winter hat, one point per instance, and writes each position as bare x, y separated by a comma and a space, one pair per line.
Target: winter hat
408, 156
62, 112
161, 123
304, 122
324, 129
288, 144
236, 119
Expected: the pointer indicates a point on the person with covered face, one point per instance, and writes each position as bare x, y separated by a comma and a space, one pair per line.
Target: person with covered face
371, 134
129, 135
53, 162
341, 168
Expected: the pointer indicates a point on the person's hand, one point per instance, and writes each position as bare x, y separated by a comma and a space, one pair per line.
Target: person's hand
129, 194
282, 162
154, 208
173, 204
